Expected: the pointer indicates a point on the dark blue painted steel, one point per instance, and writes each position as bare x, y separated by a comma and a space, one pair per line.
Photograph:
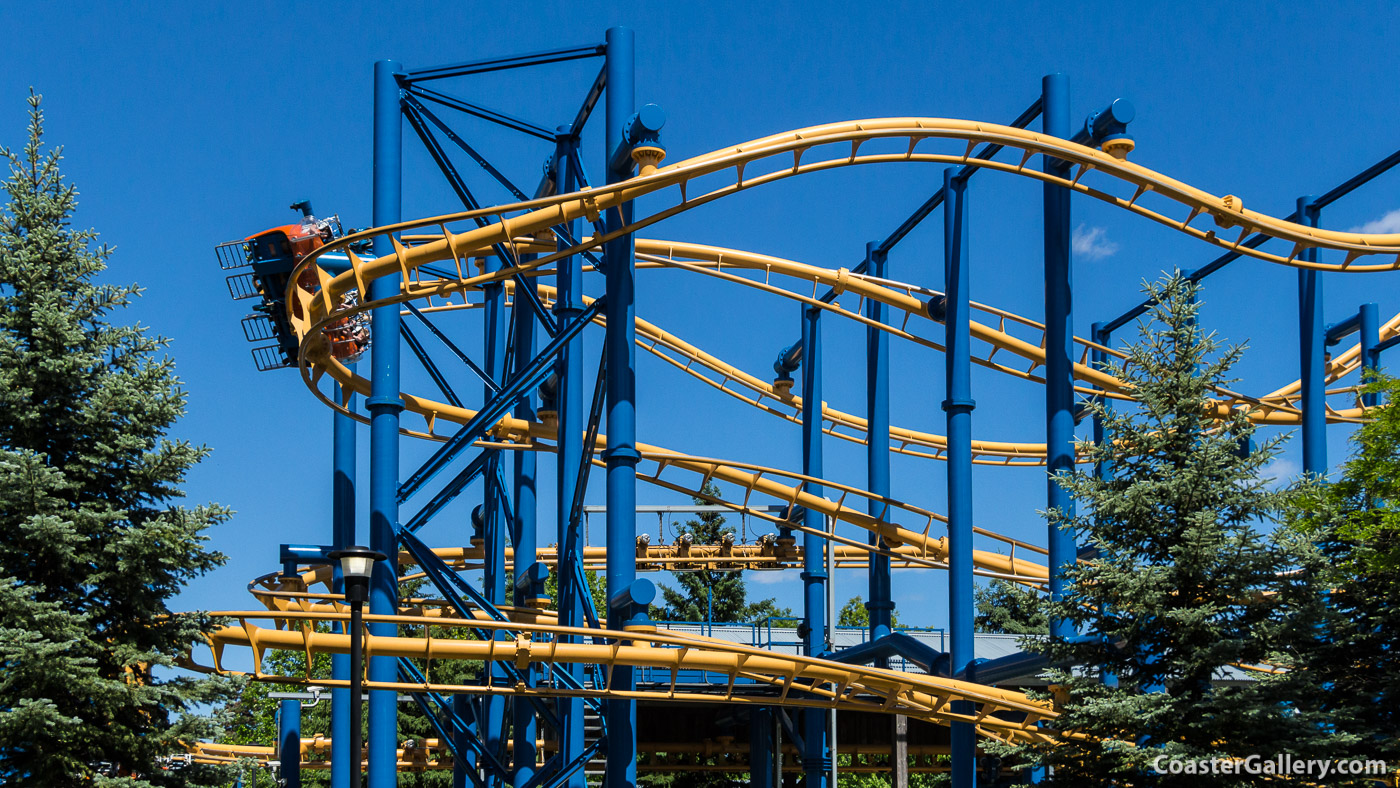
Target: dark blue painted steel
621, 455
456, 351
568, 309
430, 366
1354, 182
590, 100
958, 406
791, 355
524, 380
485, 113
289, 742
815, 759
895, 644
1311, 352
877, 456
342, 535
495, 490
1059, 339
1336, 332
1370, 335
384, 407
524, 538
761, 747
1109, 123
501, 63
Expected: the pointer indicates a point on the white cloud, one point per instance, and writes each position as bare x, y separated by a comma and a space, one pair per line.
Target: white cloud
1281, 470
768, 578
1390, 223
1092, 243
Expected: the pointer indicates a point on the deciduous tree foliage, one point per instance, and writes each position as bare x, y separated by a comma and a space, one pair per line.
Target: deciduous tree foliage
1349, 636
1007, 608
253, 717
855, 614
94, 543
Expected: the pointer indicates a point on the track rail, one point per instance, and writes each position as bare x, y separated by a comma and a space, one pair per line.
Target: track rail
795, 680
1005, 342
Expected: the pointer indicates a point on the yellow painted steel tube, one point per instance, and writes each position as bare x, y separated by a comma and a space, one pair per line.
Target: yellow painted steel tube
817, 682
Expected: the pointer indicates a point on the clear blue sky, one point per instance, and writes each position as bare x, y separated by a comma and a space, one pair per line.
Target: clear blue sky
186, 125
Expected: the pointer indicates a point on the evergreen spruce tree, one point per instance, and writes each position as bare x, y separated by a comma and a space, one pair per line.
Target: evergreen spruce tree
94, 546
722, 596
1184, 585
1348, 624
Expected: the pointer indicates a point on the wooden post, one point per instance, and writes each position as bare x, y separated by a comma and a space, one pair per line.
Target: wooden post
899, 753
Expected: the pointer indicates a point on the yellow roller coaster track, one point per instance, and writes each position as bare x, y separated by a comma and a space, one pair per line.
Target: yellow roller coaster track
799, 681
1278, 407
721, 754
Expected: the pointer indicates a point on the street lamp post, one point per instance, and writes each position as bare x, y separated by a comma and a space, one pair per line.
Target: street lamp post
356, 563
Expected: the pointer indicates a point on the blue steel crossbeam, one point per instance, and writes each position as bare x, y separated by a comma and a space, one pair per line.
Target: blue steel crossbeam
880, 606
416, 113
895, 644
414, 76
454, 589
464, 748
1359, 179
485, 113
525, 380
433, 372
449, 492
568, 402
570, 561
456, 351
988, 151
590, 100
1388, 344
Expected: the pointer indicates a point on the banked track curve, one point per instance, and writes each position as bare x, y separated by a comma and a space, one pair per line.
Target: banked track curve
818, 682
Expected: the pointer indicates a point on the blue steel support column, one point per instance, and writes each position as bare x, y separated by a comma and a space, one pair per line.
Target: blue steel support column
621, 454
761, 748
463, 737
524, 537
342, 535
814, 757
877, 456
1059, 338
1311, 349
1368, 337
958, 407
384, 407
289, 741
1099, 360
492, 512
1104, 468
567, 307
